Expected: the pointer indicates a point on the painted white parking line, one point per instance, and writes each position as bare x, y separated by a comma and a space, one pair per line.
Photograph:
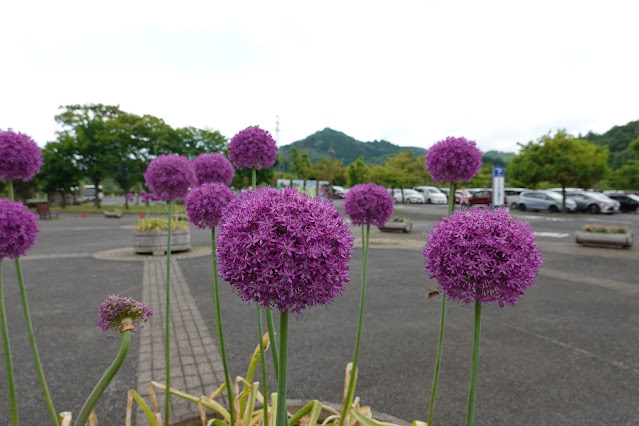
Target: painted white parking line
551, 234
596, 219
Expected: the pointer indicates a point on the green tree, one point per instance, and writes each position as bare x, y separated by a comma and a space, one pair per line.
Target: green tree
58, 172
333, 171
300, 163
358, 172
561, 159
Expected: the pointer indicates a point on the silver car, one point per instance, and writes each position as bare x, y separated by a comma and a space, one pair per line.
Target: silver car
543, 200
594, 202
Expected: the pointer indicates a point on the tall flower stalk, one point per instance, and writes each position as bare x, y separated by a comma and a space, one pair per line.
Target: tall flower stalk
366, 204
450, 160
11, 384
170, 177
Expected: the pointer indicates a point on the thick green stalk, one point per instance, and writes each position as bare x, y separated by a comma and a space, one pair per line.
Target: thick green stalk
13, 398
262, 359
167, 313
474, 368
99, 389
281, 414
351, 385
218, 325
442, 322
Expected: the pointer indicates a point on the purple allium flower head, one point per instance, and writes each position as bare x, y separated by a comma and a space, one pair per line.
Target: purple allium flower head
170, 176
18, 229
130, 196
253, 147
213, 167
116, 308
20, 157
483, 256
368, 204
453, 159
284, 249
206, 204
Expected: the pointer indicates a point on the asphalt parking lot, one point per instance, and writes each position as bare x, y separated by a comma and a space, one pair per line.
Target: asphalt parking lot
567, 354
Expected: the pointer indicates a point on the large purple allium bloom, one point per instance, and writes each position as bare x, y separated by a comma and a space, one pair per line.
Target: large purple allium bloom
284, 249
18, 229
116, 308
483, 256
368, 204
453, 159
20, 157
206, 204
213, 167
253, 147
170, 176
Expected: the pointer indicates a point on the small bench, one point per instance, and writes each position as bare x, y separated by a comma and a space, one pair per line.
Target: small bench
45, 212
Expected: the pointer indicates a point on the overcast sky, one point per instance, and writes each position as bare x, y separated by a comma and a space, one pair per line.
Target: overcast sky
410, 72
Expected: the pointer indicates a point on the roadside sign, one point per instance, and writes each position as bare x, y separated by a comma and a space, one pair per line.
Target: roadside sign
498, 185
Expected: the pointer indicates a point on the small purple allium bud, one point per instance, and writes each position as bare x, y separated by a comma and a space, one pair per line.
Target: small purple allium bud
170, 176
368, 204
206, 204
453, 159
20, 157
115, 309
213, 167
18, 229
130, 196
284, 249
482, 256
253, 147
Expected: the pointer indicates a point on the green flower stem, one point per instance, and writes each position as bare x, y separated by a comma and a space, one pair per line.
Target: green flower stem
31, 334
167, 313
262, 359
440, 343
99, 389
13, 398
474, 368
269, 315
281, 414
218, 325
351, 385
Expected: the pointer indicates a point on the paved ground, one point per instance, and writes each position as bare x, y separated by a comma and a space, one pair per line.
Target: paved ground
567, 354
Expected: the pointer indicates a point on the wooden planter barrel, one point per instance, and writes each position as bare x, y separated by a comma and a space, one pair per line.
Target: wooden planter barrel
156, 241
602, 239
116, 214
397, 226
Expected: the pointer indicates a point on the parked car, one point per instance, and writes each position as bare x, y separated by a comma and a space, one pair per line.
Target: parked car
543, 200
484, 196
339, 192
628, 202
513, 195
594, 202
432, 195
410, 196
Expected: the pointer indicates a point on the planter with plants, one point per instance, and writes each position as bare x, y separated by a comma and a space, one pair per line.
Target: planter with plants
605, 236
113, 213
151, 235
402, 224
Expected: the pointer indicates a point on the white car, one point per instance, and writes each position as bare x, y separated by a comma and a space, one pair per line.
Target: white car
432, 195
410, 196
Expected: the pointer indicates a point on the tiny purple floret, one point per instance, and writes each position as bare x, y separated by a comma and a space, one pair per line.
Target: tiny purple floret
206, 204
284, 249
213, 167
453, 160
116, 308
20, 156
170, 176
482, 256
368, 204
253, 147
18, 229
130, 196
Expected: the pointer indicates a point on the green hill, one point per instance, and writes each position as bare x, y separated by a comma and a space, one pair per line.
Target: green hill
617, 140
347, 149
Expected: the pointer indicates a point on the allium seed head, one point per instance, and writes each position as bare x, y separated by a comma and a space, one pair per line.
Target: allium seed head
284, 249
483, 256
20, 157
368, 204
206, 204
253, 147
170, 176
213, 167
116, 308
453, 159
18, 229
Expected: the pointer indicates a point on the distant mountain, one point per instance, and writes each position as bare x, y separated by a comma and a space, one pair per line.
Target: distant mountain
347, 149
617, 140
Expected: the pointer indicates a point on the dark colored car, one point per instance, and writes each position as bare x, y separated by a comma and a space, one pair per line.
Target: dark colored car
485, 196
628, 202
